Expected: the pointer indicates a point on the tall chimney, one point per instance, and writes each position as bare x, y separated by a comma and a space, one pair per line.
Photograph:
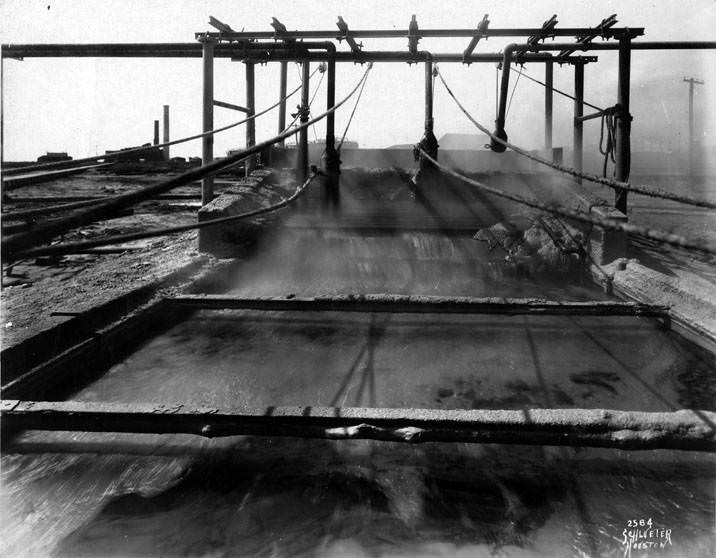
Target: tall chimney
166, 131
156, 132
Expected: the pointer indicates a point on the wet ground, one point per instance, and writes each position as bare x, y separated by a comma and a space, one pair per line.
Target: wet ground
81, 494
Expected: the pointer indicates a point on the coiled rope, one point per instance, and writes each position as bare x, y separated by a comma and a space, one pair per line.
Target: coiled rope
614, 184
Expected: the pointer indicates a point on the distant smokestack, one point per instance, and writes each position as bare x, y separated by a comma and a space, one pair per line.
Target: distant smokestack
166, 131
156, 132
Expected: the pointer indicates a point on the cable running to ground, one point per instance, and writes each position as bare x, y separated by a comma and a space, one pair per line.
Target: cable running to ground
543, 84
660, 236
15, 245
615, 184
350, 118
70, 247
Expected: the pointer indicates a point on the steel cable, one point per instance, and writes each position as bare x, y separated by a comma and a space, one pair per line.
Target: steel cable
615, 184
703, 246
15, 246
67, 164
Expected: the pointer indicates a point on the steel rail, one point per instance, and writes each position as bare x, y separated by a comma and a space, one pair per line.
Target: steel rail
683, 430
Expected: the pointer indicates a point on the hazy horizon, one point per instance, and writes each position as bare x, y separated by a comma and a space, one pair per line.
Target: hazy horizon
88, 105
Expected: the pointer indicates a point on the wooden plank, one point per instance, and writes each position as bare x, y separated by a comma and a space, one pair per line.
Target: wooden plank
424, 304
685, 429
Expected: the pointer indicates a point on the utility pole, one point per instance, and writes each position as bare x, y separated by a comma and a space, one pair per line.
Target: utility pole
692, 149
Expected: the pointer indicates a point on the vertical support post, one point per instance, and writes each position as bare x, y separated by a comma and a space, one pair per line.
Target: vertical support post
207, 142
250, 163
578, 141
156, 132
166, 131
303, 134
548, 94
330, 162
282, 103
623, 147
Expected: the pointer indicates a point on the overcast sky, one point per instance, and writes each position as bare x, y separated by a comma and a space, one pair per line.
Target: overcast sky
89, 105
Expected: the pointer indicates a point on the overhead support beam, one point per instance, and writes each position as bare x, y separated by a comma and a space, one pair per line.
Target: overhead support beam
207, 142
413, 36
480, 32
424, 33
280, 31
258, 52
599, 30
343, 26
578, 138
230, 106
627, 430
546, 32
216, 24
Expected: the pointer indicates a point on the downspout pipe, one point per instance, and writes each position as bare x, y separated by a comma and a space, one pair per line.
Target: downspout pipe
496, 146
509, 52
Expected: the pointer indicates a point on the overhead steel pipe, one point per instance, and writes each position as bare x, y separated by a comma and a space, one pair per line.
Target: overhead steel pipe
513, 50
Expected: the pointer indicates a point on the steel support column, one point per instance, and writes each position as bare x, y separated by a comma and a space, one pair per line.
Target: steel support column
623, 147
548, 94
207, 142
282, 97
578, 138
330, 161
303, 134
250, 163
165, 150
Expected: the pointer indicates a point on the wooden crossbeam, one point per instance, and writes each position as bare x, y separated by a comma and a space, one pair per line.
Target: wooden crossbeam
685, 429
230, 106
480, 32
424, 304
343, 26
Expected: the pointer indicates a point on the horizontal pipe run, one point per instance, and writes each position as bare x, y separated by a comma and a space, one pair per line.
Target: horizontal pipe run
222, 50
11, 245
424, 304
628, 430
591, 116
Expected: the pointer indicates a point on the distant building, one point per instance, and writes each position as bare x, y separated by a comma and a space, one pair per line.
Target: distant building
54, 157
149, 154
463, 141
